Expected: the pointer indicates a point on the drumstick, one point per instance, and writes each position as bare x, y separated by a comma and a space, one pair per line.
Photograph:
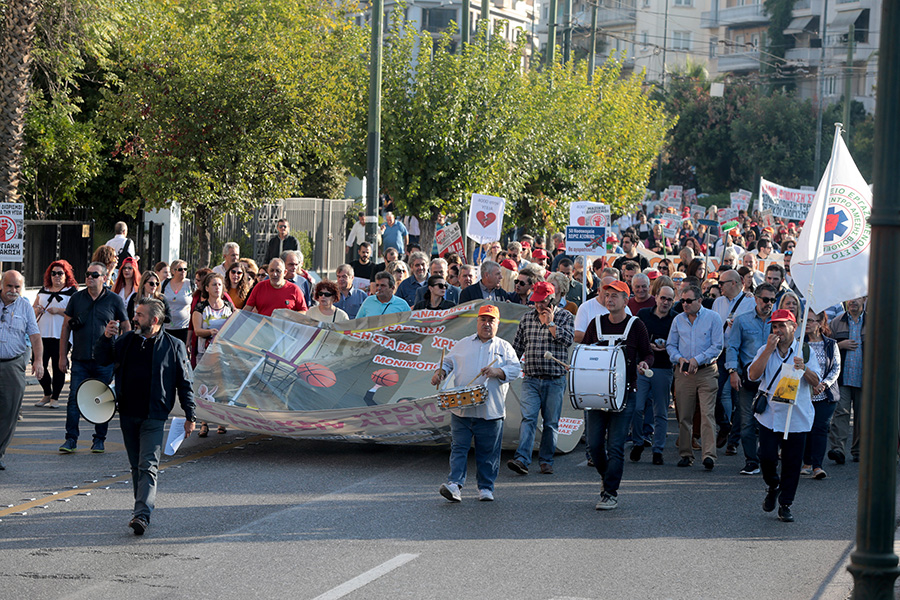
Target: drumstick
440, 368
549, 355
479, 374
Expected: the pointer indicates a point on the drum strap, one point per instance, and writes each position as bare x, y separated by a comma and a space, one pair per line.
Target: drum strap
613, 339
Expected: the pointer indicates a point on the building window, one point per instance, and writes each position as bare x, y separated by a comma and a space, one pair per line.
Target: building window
684, 2
713, 45
830, 85
681, 40
436, 20
645, 39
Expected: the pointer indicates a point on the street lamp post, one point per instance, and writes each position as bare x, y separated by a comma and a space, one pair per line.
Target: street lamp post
373, 141
873, 563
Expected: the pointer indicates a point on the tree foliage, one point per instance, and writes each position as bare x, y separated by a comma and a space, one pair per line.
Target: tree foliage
225, 104
474, 121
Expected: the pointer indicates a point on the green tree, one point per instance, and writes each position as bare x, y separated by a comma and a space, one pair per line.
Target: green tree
447, 121
225, 105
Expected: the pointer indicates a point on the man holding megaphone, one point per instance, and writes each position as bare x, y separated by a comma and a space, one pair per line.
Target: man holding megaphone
151, 366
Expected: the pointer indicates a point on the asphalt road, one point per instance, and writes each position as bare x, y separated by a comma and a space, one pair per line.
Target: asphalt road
245, 516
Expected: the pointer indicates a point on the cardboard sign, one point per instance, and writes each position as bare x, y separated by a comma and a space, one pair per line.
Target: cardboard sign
12, 231
449, 239
585, 240
589, 214
485, 218
785, 203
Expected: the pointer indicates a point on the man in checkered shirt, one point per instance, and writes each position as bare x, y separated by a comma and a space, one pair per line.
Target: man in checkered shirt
546, 328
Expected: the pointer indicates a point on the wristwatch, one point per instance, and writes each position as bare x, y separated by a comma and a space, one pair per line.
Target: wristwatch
191, 419
730, 371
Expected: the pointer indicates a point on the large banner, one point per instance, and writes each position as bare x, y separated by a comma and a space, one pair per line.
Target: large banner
785, 203
291, 376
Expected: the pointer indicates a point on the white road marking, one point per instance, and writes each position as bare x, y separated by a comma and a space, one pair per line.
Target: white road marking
367, 577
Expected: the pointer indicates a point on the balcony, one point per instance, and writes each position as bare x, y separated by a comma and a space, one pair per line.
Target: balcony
612, 16
739, 61
751, 14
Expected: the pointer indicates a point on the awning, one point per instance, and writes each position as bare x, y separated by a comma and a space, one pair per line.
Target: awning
843, 20
801, 25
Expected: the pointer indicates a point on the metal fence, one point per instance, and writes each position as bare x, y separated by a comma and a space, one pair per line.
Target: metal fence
46, 241
322, 219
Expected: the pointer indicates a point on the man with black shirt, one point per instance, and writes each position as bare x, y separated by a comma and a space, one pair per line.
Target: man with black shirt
364, 267
606, 430
151, 367
658, 321
87, 315
629, 245
282, 242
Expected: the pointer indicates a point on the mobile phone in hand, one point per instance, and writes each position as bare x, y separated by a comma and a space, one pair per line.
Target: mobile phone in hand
685, 367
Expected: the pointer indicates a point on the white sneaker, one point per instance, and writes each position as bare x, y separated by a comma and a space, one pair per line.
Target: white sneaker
486, 495
43, 401
450, 491
607, 502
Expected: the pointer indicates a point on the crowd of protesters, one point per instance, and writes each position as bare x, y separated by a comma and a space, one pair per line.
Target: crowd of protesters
707, 306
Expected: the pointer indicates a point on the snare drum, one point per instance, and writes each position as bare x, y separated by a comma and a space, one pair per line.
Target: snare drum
474, 395
597, 378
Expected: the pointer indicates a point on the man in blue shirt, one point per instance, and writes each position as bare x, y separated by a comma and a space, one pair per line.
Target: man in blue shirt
394, 234
749, 333
384, 302
418, 264
694, 343
351, 298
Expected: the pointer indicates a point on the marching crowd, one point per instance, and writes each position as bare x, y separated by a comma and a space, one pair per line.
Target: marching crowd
705, 339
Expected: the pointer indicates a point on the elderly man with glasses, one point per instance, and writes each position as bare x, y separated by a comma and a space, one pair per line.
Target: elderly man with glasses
731, 304
694, 343
748, 334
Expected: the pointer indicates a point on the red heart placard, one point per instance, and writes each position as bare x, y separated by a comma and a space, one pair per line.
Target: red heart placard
485, 218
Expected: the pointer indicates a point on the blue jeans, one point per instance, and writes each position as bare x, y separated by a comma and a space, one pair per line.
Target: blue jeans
606, 433
725, 409
749, 426
488, 436
817, 438
143, 442
81, 370
544, 397
655, 390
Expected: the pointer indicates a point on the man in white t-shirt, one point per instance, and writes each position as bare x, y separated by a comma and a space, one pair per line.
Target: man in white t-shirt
119, 241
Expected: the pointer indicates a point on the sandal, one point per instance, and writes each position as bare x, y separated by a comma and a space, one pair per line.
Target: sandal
221, 429
204, 430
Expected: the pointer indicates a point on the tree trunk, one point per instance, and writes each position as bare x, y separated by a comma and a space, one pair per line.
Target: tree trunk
204, 233
16, 42
426, 235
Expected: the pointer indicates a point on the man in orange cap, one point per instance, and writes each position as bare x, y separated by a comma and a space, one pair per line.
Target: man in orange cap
607, 430
547, 328
492, 362
769, 365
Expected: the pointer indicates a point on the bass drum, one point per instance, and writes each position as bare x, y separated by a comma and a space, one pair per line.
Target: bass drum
597, 378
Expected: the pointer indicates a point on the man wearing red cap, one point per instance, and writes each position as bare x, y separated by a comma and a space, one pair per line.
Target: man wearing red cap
539, 256
606, 431
547, 328
769, 365
491, 361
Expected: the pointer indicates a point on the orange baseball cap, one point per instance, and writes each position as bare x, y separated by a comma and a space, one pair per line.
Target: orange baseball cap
619, 286
489, 310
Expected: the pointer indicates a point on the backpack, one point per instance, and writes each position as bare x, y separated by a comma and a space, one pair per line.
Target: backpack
124, 253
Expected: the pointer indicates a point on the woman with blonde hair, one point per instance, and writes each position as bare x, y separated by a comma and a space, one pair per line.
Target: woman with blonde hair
149, 288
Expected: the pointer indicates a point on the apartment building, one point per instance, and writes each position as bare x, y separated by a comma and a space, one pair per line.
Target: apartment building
435, 16
819, 34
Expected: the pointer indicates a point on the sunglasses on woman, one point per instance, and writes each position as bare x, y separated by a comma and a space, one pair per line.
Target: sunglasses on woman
326, 294
57, 273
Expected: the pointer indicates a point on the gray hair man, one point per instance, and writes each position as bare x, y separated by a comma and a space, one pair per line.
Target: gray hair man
18, 330
231, 254
488, 287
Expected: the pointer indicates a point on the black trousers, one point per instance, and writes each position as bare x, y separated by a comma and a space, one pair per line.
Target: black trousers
52, 384
791, 461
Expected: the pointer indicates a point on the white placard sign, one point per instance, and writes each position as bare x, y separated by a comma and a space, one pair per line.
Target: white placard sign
588, 214
485, 218
12, 232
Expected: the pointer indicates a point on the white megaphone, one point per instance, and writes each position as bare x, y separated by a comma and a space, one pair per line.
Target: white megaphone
96, 401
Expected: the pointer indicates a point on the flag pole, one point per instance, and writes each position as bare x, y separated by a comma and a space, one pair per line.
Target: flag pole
820, 239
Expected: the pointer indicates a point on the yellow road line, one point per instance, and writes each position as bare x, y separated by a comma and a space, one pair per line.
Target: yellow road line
104, 482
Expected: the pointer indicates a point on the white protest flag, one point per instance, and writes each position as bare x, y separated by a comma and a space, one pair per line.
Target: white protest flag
837, 268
